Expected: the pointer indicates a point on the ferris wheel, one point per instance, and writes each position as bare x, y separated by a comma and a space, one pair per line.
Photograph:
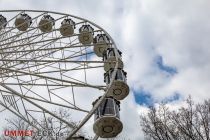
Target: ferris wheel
52, 60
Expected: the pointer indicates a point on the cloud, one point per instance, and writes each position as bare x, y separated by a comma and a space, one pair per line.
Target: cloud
156, 38
176, 31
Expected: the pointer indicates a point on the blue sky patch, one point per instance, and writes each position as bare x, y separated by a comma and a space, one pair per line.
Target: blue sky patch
176, 96
143, 97
161, 66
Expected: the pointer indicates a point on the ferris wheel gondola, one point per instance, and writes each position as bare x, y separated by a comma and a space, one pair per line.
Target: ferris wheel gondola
46, 23
3, 22
107, 118
22, 22
111, 58
67, 27
86, 34
101, 44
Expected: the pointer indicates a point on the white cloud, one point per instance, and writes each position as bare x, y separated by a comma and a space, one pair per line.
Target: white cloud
178, 30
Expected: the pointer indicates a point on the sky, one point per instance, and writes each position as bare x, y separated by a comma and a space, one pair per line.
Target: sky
165, 46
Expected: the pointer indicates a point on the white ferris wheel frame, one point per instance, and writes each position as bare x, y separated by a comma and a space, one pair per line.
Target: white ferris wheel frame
29, 99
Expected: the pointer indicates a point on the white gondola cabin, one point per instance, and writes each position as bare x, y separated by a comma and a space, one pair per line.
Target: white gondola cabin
107, 122
23, 22
109, 57
46, 23
119, 88
101, 43
67, 27
86, 34
3, 22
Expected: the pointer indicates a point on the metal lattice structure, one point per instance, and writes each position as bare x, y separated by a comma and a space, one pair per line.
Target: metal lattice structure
46, 61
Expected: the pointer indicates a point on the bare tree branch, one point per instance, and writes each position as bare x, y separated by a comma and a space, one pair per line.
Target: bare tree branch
189, 123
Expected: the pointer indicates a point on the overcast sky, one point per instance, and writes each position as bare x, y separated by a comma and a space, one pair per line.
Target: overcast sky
165, 47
